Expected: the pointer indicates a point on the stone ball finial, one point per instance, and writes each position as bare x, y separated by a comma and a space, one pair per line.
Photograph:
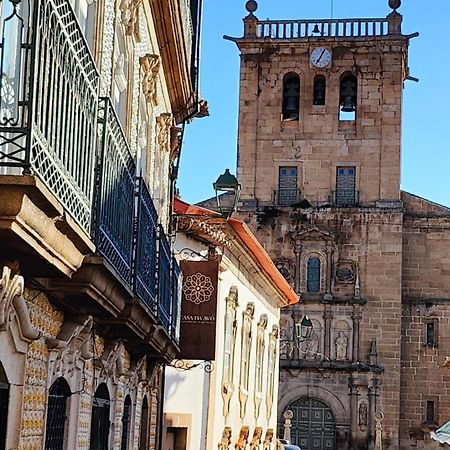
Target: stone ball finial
251, 6
288, 414
395, 4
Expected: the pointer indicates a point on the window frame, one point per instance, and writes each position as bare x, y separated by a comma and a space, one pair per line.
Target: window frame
288, 77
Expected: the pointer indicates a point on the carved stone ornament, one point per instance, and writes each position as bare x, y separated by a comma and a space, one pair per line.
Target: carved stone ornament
150, 68
286, 268
117, 361
271, 367
225, 442
362, 415
259, 366
256, 440
346, 272
175, 142
268, 439
11, 297
341, 344
379, 416
241, 444
129, 14
164, 122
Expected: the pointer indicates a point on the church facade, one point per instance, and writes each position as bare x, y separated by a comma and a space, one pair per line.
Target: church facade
319, 164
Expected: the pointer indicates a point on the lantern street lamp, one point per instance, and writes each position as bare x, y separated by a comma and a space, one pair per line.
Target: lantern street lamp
227, 190
303, 329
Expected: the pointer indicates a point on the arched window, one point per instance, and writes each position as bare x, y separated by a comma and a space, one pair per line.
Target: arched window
143, 439
313, 274
55, 428
348, 97
126, 423
100, 419
291, 97
320, 87
4, 401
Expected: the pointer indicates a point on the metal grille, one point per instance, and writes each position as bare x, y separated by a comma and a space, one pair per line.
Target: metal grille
4, 400
177, 283
99, 424
115, 196
49, 102
146, 241
313, 425
345, 186
125, 423
164, 279
288, 193
56, 415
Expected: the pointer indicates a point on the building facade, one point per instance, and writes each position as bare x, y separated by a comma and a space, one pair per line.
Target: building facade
94, 96
319, 164
222, 392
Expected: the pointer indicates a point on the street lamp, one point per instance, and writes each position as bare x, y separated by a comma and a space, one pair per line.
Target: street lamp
227, 190
304, 329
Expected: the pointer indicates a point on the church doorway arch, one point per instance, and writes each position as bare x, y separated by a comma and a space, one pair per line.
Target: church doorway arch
313, 425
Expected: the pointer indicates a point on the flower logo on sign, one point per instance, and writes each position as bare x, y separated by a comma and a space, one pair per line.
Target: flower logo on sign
198, 288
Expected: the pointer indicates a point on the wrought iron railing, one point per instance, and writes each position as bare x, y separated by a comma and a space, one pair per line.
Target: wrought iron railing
287, 197
345, 28
48, 101
345, 198
164, 279
145, 280
115, 194
177, 278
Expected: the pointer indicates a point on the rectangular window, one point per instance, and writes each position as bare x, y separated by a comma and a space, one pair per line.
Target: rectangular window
430, 411
430, 333
288, 193
345, 186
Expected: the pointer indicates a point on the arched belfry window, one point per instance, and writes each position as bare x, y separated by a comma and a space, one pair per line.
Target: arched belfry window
4, 402
291, 97
55, 431
320, 87
100, 419
348, 97
313, 274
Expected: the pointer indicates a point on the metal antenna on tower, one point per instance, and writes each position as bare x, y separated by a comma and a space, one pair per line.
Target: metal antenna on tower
331, 8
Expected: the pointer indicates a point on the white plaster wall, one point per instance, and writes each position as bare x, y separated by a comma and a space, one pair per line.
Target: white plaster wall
198, 393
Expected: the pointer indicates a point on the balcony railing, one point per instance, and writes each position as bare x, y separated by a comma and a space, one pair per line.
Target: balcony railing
146, 248
287, 197
345, 198
48, 101
115, 194
338, 28
164, 279
177, 279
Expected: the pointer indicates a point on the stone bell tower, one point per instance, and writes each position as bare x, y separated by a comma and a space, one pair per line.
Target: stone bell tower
319, 164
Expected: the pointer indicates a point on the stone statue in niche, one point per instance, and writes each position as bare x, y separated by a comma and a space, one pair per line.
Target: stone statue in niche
363, 415
312, 346
341, 344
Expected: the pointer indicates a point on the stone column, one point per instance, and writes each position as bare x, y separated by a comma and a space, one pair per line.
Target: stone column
328, 296
353, 412
327, 318
356, 316
298, 254
373, 391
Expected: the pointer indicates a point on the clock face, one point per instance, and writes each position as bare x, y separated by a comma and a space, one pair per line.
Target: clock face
320, 57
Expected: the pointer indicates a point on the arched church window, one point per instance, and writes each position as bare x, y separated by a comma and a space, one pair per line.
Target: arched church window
4, 401
347, 97
313, 274
291, 97
55, 431
126, 423
320, 87
100, 418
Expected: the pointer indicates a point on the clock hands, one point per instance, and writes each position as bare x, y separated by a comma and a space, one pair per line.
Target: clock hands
320, 57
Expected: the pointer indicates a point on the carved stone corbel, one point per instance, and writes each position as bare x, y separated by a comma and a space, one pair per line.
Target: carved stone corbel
150, 67
243, 439
11, 295
129, 14
225, 442
164, 122
256, 440
175, 142
268, 439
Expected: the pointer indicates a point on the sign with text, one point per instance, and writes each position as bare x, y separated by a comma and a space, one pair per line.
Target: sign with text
198, 309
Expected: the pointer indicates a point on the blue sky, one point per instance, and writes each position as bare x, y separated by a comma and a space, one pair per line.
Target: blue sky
210, 143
